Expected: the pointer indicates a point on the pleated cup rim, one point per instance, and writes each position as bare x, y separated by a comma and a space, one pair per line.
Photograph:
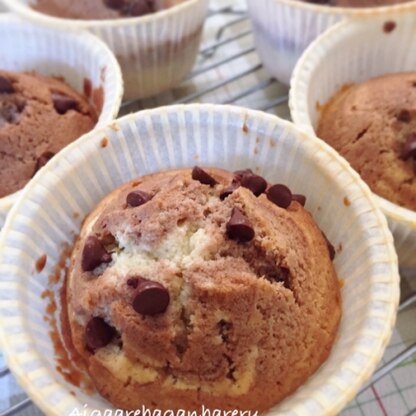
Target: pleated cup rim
372, 355
113, 76
313, 55
26, 11
350, 12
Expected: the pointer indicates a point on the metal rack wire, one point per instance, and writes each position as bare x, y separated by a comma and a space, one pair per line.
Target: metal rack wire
260, 81
273, 98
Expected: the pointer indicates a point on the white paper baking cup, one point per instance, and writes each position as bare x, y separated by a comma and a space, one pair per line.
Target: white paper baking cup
340, 57
74, 56
156, 52
43, 221
284, 28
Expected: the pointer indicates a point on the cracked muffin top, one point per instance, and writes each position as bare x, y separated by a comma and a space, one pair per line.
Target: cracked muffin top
39, 116
102, 9
201, 286
373, 125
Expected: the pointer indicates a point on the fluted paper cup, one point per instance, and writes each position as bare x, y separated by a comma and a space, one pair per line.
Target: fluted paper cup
156, 52
51, 209
283, 29
340, 57
80, 58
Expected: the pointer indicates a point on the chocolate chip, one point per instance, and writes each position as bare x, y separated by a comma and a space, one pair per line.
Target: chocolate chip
238, 174
239, 227
133, 282
248, 179
141, 8
389, 26
43, 159
228, 190
137, 198
10, 112
299, 198
280, 195
151, 299
331, 248
63, 103
254, 182
409, 147
94, 254
200, 175
404, 116
98, 333
114, 4
6, 87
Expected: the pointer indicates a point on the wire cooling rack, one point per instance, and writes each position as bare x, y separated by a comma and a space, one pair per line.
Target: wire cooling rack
228, 71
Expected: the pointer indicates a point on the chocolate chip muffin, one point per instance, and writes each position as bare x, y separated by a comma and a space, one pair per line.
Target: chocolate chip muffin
102, 9
356, 3
39, 115
373, 125
202, 287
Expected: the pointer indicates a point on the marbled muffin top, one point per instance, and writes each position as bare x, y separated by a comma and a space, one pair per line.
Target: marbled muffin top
38, 116
188, 289
373, 125
101, 9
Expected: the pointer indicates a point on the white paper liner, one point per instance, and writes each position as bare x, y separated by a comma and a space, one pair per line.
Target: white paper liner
340, 57
156, 52
25, 47
284, 28
181, 136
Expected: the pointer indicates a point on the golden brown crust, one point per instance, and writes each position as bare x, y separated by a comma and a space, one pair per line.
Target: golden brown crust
363, 123
236, 334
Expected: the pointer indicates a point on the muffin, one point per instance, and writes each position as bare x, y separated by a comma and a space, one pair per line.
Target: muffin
356, 3
80, 176
201, 287
373, 125
102, 9
39, 115
156, 42
323, 70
